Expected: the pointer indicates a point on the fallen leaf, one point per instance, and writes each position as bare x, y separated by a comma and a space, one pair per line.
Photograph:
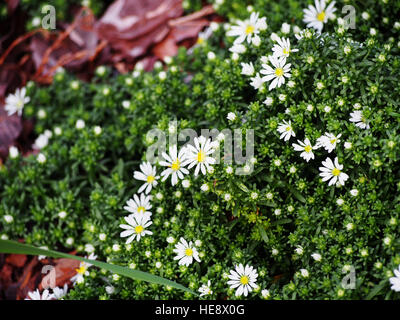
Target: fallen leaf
131, 27
24, 284
169, 46
12, 5
6, 273
65, 269
16, 260
10, 129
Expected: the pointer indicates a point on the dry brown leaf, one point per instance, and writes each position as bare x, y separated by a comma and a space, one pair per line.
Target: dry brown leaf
131, 27
16, 260
65, 269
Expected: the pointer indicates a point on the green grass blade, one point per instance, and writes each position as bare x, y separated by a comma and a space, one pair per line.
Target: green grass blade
8, 246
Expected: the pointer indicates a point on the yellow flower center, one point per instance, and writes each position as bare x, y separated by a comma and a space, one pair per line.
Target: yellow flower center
249, 29
189, 252
141, 209
286, 51
244, 280
150, 179
321, 16
279, 72
288, 128
201, 156
20, 103
139, 229
82, 268
176, 165
335, 171
333, 141
307, 149
200, 40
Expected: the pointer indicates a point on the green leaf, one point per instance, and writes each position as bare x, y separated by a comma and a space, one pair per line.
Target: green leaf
282, 221
297, 194
263, 234
376, 289
267, 203
8, 246
243, 187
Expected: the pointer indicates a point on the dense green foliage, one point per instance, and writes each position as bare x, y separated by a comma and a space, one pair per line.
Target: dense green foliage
378, 14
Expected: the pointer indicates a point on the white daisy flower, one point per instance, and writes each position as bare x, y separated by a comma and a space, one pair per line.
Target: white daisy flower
205, 289
41, 142
328, 141
139, 206
286, 130
359, 120
186, 252
203, 36
41, 114
395, 281
256, 41
306, 148
97, 130
231, 116
282, 49
35, 295
316, 16
238, 48
83, 270
41, 158
59, 293
333, 172
185, 183
316, 256
36, 21
265, 293
211, 55
243, 278
8, 218
269, 101
278, 73
305, 33
148, 175
89, 248
13, 152
299, 250
304, 273
246, 30
285, 28
135, 228
256, 81
247, 69
199, 155
15, 102
110, 289
348, 145
354, 192
80, 124
174, 163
